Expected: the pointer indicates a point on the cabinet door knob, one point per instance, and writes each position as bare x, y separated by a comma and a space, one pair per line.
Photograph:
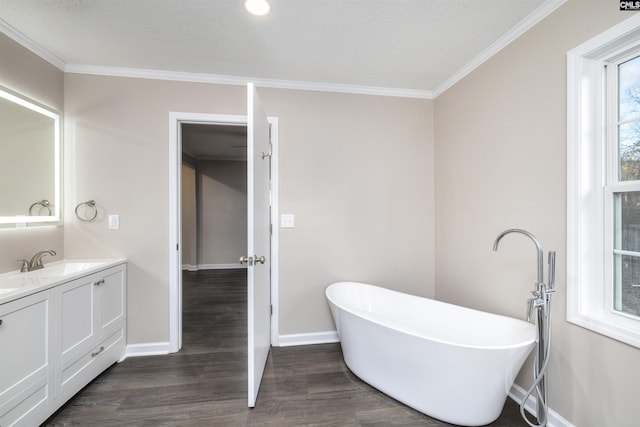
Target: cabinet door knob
99, 282
0, 322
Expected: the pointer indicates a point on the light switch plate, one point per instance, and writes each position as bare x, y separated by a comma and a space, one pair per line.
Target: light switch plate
287, 221
114, 222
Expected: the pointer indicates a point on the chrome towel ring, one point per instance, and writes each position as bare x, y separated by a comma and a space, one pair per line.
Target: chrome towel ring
91, 205
43, 204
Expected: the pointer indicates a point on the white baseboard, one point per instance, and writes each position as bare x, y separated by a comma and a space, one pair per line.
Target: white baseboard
147, 349
161, 348
306, 339
211, 267
555, 420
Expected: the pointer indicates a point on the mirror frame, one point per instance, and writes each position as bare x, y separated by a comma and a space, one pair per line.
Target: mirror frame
24, 220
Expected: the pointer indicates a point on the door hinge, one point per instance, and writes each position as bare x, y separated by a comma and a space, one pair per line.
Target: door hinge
271, 309
177, 246
270, 228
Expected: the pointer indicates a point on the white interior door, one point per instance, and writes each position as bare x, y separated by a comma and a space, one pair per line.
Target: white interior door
258, 242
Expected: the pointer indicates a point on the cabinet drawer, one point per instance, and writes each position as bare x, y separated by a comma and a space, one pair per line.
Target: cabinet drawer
81, 371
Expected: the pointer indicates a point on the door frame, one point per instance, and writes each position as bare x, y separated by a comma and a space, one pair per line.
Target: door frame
175, 218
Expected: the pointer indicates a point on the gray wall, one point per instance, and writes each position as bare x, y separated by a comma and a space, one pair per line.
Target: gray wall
189, 218
501, 163
222, 212
356, 170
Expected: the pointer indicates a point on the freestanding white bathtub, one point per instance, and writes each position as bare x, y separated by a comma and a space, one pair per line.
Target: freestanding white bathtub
447, 361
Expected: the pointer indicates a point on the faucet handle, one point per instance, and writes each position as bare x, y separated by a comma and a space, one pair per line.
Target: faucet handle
24, 267
529, 309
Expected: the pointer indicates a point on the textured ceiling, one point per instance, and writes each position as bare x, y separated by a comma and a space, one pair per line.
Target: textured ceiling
402, 44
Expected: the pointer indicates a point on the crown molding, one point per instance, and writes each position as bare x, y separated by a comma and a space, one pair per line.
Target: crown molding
525, 25
532, 19
27, 43
242, 81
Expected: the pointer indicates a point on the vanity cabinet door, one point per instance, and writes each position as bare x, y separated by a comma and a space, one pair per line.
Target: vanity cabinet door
25, 359
76, 317
91, 328
112, 301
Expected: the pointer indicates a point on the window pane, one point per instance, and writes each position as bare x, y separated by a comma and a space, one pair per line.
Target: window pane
627, 285
629, 90
627, 221
629, 120
629, 149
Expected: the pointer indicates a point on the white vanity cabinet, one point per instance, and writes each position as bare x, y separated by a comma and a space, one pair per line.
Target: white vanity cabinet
54, 341
26, 359
91, 333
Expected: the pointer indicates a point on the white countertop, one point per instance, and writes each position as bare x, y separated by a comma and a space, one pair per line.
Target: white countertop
14, 284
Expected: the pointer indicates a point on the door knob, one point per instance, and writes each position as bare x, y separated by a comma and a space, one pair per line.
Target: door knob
259, 259
246, 260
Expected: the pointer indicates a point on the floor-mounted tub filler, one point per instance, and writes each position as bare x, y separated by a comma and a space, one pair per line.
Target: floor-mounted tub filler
541, 303
449, 362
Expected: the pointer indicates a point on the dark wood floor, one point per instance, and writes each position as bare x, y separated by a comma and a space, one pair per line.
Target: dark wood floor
205, 383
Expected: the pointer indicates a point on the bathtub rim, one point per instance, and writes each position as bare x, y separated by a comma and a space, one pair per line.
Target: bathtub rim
367, 316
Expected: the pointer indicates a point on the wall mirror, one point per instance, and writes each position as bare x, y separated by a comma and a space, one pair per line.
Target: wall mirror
29, 162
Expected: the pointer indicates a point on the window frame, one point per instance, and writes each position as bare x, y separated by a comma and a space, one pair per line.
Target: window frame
591, 183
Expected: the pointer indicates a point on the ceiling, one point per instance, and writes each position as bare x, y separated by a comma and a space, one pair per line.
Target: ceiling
214, 141
411, 47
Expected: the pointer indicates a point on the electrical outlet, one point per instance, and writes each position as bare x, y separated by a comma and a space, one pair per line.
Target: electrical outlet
287, 221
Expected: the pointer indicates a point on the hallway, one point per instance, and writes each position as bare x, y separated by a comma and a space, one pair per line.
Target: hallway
205, 383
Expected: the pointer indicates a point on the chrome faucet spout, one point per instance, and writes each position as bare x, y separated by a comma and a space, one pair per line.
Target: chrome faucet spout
533, 238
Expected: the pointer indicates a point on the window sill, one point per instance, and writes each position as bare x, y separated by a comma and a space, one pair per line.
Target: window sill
605, 325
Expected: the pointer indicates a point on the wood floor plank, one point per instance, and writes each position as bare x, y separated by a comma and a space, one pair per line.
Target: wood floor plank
205, 384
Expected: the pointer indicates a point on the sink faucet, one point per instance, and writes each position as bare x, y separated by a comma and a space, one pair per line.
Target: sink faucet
36, 261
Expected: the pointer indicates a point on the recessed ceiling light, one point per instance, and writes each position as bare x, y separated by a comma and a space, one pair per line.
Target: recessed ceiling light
257, 7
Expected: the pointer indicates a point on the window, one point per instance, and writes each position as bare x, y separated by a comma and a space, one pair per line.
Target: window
603, 183
622, 191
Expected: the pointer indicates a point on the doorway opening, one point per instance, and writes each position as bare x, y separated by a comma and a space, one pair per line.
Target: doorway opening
230, 123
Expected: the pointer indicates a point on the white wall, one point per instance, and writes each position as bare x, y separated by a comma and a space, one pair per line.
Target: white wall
501, 163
